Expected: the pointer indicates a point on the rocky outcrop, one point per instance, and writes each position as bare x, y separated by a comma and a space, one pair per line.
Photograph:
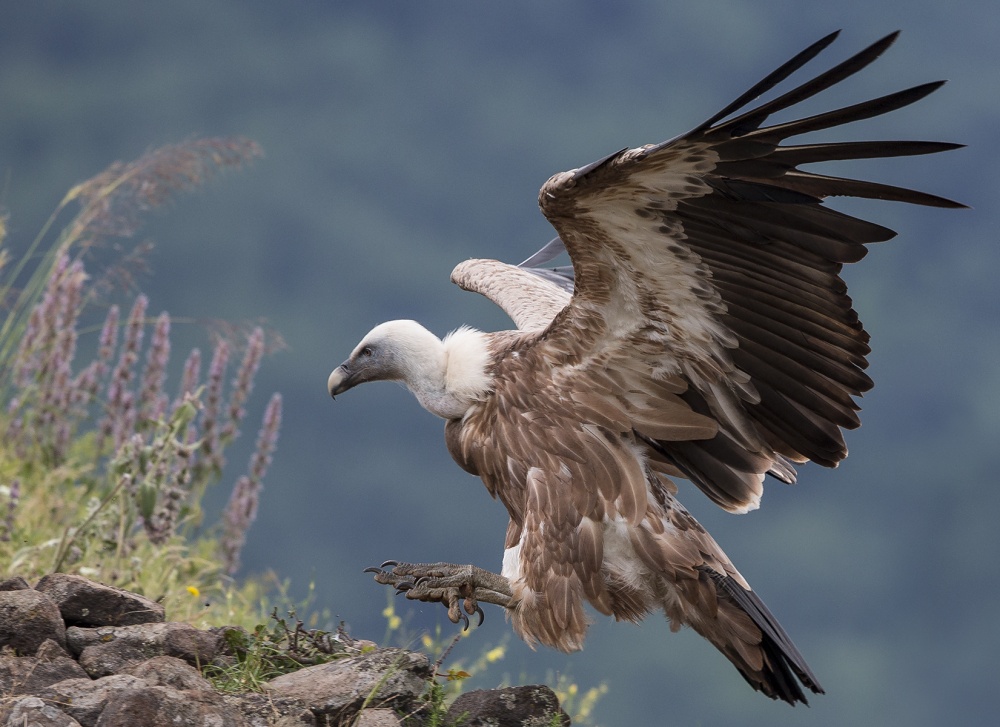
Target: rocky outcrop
529, 706
28, 619
390, 678
74, 653
85, 603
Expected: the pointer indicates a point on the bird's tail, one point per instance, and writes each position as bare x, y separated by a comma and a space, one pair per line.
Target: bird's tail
771, 664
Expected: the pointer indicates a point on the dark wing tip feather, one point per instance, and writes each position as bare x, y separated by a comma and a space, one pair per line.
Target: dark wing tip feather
794, 155
771, 80
753, 118
855, 112
823, 186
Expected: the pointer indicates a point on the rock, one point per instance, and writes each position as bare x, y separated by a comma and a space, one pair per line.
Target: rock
165, 707
50, 650
31, 674
377, 718
14, 584
190, 644
529, 706
306, 719
337, 690
33, 712
111, 649
84, 700
265, 710
102, 660
169, 671
27, 619
85, 603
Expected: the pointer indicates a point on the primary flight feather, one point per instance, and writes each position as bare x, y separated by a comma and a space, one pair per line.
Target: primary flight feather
703, 332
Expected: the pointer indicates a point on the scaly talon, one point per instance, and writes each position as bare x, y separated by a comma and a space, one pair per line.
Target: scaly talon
460, 588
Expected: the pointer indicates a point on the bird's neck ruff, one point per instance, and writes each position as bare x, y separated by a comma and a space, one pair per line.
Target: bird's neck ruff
452, 382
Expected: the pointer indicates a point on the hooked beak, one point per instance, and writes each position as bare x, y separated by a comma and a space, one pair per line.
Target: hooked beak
340, 380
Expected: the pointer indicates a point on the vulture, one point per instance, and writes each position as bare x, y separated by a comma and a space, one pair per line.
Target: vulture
703, 332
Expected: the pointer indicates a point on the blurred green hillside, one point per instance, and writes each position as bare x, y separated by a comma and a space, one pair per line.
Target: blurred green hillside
401, 138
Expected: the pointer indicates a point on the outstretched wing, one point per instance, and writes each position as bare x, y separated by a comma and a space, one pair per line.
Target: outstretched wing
710, 260
531, 296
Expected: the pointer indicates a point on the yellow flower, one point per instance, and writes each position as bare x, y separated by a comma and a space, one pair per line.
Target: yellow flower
390, 614
427, 641
495, 654
193, 591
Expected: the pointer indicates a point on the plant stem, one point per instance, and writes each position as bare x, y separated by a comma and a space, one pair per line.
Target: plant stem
70, 533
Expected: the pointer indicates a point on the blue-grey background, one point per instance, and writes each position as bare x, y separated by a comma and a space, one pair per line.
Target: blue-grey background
402, 137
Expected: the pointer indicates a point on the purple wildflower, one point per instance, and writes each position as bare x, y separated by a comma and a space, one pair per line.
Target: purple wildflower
211, 446
25, 362
170, 481
67, 293
43, 363
123, 423
189, 384
243, 384
152, 401
267, 439
192, 372
85, 387
109, 336
120, 412
241, 510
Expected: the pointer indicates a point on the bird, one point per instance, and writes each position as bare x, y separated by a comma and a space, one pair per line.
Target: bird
702, 332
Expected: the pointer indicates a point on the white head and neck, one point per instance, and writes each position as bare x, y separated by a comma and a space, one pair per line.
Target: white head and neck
447, 376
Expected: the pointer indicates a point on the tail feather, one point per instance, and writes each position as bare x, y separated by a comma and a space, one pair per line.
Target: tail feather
782, 668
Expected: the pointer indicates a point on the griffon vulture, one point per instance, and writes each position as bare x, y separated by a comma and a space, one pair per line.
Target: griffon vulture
703, 333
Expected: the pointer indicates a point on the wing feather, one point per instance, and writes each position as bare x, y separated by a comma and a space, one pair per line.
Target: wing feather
711, 259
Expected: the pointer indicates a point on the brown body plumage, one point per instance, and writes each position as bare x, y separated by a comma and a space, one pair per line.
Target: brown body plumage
703, 332
594, 518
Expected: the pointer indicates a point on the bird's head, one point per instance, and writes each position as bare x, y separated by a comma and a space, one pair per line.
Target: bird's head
392, 351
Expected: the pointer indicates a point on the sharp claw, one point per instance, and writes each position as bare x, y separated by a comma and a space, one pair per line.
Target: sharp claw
433, 583
472, 607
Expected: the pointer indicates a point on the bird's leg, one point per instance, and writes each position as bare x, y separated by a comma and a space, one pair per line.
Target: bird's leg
448, 584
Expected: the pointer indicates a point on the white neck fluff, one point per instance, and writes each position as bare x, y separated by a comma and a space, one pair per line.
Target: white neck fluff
452, 377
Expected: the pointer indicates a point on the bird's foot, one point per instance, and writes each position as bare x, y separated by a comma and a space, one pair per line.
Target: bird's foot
455, 586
